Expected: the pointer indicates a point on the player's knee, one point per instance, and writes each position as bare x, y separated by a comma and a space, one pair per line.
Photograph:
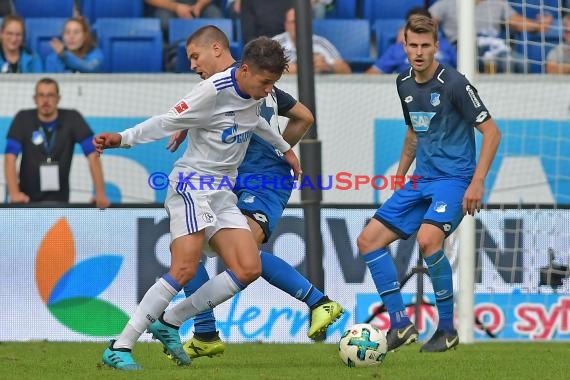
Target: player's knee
364, 244
183, 273
428, 243
248, 274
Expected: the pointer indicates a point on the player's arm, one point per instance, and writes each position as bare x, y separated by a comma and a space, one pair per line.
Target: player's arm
191, 112
466, 99
408, 154
491, 139
300, 117
300, 120
96, 170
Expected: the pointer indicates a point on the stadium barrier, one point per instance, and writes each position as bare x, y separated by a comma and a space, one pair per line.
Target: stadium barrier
76, 274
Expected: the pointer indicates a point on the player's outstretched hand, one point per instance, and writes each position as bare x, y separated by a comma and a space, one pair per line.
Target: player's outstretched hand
106, 140
473, 197
293, 161
176, 140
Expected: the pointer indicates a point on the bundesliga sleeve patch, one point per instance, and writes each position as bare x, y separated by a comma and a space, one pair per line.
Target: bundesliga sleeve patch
180, 107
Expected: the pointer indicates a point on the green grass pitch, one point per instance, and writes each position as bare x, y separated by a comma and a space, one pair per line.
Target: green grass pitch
62, 361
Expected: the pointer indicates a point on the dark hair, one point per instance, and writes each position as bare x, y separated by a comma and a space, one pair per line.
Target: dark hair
89, 42
417, 11
207, 35
263, 53
47, 80
421, 24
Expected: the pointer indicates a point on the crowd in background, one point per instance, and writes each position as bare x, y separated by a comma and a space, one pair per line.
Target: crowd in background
76, 49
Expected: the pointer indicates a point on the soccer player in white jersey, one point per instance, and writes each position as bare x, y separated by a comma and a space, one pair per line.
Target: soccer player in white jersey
442, 110
221, 114
209, 53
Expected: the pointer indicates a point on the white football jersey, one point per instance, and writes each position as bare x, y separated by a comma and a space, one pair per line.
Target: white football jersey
220, 121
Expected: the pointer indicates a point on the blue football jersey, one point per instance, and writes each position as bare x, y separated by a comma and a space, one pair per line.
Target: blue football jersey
443, 113
261, 157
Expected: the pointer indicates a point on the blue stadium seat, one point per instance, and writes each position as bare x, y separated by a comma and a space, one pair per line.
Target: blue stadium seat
350, 37
180, 29
94, 9
128, 25
386, 31
40, 31
343, 9
536, 54
532, 8
44, 8
130, 45
375, 9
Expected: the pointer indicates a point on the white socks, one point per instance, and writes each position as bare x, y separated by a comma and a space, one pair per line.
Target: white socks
151, 306
212, 293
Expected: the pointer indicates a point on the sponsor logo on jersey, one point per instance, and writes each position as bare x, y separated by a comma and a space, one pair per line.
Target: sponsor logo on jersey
440, 207
434, 99
421, 120
230, 136
408, 98
472, 96
180, 107
231, 113
481, 117
249, 199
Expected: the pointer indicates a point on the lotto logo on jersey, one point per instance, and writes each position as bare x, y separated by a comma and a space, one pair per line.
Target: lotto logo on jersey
180, 107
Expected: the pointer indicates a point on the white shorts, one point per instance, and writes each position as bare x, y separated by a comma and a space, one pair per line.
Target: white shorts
191, 211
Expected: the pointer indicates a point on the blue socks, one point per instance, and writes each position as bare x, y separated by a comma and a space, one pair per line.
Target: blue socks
274, 270
280, 274
439, 271
205, 322
385, 276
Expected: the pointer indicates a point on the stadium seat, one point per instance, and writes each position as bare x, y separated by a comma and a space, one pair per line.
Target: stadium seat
94, 9
350, 37
127, 25
375, 9
130, 45
180, 29
44, 8
536, 54
532, 8
386, 31
40, 31
343, 9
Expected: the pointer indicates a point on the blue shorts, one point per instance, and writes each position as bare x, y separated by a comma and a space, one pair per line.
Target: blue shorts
438, 202
262, 204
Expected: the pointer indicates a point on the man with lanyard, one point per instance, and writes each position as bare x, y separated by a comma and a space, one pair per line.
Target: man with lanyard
46, 136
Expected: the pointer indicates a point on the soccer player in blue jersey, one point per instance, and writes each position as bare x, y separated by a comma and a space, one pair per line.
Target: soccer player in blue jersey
260, 199
442, 110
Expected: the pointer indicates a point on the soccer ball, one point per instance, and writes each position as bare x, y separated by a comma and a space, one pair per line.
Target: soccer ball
362, 345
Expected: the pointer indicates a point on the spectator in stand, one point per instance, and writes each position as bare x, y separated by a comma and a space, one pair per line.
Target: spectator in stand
233, 9
78, 52
14, 57
320, 8
263, 18
166, 9
6, 7
558, 59
326, 58
491, 18
394, 60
